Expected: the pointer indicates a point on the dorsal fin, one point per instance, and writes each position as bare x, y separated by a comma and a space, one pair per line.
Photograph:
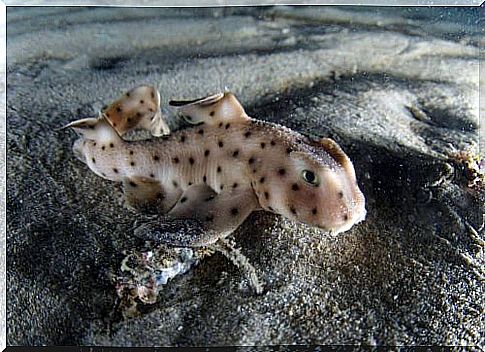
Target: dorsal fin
137, 108
212, 110
97, 129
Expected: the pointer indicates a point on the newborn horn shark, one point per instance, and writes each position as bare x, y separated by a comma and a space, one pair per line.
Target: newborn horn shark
208, 178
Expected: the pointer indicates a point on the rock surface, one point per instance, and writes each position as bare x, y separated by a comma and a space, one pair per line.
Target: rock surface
396, 88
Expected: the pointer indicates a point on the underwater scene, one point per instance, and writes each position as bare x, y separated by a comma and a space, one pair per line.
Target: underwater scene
245, 176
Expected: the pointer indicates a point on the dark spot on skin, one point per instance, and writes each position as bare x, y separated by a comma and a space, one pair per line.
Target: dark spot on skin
118, 109
107, 114
175, 184
234, 185
114, 124
228, 125
152, 175
128, 94
220, 144
266, 195
190, 183
111, 145
340, 194
212, 113
236, 153
191, 161
346, 217
131, 152
282, 171
103, 147
251, 160
138, 114
234, 211
150, 109
115, 170
254, 171
207, 152
261, 180
93, 160
273, 143
201, 131
271, 209
247, 134
263, 145
209, 217
293, 210
142, 102
295, 187
132, 163
222, 187
182, 139
176, 160
204, 179
156, 157
103, 174
183, 199
220, 124
153, 95
314, 211
219, 169
94, 143
133, 184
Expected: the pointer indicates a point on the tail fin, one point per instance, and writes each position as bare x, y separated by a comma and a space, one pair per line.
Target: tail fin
96, 129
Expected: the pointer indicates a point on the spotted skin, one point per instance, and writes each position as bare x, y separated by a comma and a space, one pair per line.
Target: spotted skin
223, 168
137, 108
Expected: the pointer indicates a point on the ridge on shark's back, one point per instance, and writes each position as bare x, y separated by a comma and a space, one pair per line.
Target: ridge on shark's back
215, 173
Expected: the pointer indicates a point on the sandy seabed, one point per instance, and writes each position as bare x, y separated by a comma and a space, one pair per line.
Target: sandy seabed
396, 88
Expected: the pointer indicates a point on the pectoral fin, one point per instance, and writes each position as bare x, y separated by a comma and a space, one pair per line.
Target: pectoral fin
137, 108
209, 216
220, 108
173, 232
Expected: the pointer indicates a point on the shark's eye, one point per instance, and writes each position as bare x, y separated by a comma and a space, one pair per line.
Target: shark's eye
310, 177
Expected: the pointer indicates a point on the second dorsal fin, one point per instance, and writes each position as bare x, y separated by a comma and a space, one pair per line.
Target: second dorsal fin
212, 110
137, 108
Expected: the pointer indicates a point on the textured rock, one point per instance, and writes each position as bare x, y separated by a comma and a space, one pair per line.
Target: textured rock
399, 93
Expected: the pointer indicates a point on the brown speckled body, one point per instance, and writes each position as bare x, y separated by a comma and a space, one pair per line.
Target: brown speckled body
242, 163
